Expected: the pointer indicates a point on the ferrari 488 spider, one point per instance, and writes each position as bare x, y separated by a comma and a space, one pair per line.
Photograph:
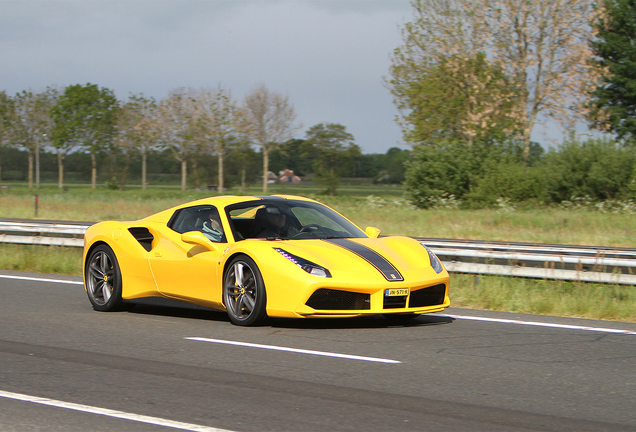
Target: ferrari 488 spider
254, 257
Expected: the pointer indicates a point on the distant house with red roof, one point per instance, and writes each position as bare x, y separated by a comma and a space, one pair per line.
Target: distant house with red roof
288, 176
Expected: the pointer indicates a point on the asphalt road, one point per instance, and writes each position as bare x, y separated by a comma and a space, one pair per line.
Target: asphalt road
65, 367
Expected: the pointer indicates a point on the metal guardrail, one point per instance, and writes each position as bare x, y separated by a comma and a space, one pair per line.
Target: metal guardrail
540, 261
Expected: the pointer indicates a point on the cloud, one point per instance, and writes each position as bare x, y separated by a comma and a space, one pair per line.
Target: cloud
329, 57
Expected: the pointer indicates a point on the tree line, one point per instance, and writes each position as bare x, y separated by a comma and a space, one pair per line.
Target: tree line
473, 78
190, 129
190, 126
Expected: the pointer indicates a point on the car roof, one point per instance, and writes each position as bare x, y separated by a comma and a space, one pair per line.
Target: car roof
221, 202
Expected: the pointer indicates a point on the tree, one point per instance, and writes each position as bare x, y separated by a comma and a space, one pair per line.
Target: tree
540, 46
332, 149
392, 166
218, 123
289, 155
32, 123
458, 98
136, 132
178, 116
614, 99
84, 116
268, 121
6, 117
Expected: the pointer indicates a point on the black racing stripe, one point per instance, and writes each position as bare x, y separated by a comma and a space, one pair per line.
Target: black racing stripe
372, 257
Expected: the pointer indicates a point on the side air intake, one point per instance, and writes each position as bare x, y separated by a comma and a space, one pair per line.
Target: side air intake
143, 236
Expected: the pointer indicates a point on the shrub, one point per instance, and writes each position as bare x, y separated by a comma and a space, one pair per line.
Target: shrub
507, 182
597, 168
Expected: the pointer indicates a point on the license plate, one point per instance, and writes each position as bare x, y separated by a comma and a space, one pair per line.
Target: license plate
395, 292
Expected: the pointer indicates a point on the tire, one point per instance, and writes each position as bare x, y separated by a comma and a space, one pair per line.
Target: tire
244, 293
103, 279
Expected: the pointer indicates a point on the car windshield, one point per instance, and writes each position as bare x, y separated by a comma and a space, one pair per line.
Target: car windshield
289, 220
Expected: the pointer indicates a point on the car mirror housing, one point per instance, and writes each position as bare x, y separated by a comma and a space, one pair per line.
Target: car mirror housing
197, 238
372, 232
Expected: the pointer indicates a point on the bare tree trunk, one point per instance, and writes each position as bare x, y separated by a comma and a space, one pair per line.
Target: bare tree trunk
184, 168
143, 171
195, 174
30, 169
243, 187
265, 168
124, 173
60, 170
93, 171
220, 187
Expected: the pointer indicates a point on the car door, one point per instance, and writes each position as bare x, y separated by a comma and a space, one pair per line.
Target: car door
183, 270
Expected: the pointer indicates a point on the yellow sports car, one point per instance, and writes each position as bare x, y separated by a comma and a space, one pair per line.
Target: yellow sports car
254, 257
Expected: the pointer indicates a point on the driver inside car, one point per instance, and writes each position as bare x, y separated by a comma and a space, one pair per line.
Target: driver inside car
274, 223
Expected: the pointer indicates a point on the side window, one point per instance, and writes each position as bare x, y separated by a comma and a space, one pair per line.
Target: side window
244, 223
205, 219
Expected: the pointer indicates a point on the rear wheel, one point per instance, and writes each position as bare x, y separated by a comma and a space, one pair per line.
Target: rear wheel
244, 292
103, 279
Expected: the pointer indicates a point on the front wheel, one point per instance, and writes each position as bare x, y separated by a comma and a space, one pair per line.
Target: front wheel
103, 279
244, 292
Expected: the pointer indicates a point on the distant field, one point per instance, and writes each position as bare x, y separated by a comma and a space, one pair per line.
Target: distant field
364, 203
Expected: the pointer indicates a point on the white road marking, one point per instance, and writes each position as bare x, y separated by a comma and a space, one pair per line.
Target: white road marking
111, 413
294, 350
42, 279
541, 324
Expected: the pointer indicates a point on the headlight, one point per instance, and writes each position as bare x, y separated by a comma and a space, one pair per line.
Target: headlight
308, 266
435, 262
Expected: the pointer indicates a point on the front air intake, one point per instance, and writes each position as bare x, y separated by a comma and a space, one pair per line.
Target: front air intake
430, 296
328, 299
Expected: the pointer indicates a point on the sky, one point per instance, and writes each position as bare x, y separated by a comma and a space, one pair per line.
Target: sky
330, 57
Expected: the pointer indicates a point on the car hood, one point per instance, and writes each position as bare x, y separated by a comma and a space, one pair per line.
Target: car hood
391, 258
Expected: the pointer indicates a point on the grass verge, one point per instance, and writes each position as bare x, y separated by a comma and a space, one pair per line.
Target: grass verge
41, 259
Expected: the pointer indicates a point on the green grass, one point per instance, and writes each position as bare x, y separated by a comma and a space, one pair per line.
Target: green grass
544, 297
41, 259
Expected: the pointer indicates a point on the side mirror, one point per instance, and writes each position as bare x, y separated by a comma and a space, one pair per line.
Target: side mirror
197, 238
372, 232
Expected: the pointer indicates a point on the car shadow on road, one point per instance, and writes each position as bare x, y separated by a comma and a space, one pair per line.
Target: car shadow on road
374, 321
174, 308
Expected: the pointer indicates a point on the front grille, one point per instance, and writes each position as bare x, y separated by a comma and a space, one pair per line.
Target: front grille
328, 299
394, 302
430, 296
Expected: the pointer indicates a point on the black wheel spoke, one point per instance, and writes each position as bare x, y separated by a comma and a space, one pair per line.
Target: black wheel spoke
249, 302
95, 272
238, 309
